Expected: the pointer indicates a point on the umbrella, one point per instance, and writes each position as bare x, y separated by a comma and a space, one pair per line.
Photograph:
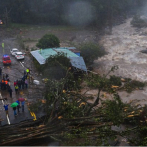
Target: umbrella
14, 104
21, 99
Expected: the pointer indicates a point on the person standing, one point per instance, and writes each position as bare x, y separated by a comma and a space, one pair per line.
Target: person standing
27, 71
22, 105
7, 76
22, 83
14, 109
6, 84
15, 83
26, 83
19, 84
16, 89
18, 106
6, 108
10, 91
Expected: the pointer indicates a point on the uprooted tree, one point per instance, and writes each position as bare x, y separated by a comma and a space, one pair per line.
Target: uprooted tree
70, 117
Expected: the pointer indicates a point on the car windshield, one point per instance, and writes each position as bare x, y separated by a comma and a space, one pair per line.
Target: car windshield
15, 50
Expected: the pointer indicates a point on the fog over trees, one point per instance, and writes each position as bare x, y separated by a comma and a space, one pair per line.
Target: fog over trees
74, 12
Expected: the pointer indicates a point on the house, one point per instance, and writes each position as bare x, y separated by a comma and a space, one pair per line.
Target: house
76, 60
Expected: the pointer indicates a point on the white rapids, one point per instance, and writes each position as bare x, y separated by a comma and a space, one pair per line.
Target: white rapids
123, 47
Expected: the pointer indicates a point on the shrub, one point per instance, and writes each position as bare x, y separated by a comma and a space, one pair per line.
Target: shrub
48, 41
115, 80
90, 52
132, 85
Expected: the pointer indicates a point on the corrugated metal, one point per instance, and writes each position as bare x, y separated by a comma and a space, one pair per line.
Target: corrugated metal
38, 57
47, 53
67, 52
78, 62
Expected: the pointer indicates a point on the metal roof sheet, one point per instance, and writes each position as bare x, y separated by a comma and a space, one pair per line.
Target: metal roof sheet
38, 57
78, 62
67, 52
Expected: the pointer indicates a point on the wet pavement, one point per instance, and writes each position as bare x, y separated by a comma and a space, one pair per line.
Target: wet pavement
15, 71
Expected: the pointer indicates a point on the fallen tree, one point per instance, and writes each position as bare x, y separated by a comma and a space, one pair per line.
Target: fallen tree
72, 120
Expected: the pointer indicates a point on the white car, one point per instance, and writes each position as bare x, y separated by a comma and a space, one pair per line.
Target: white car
19, 55
13, 51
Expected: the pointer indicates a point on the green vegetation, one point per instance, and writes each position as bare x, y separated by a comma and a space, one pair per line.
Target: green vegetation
133, 85
103, 13
48, 41
90, 52
56, 66
70, 118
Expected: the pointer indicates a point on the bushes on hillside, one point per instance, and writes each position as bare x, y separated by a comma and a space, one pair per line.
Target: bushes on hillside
90, 52
48, 41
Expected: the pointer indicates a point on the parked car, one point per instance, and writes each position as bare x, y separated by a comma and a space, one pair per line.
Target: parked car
13, 51
19, 55
6, 60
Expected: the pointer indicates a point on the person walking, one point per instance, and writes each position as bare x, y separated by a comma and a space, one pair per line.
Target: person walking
10, 91
6, 108
14, 109
18, 106
16, 89
22, 105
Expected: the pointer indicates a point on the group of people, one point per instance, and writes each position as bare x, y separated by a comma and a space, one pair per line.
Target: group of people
15, 108
18, 84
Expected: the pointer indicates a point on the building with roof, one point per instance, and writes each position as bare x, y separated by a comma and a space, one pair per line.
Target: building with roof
76, 60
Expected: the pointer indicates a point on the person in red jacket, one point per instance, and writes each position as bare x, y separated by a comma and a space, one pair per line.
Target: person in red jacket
15, 83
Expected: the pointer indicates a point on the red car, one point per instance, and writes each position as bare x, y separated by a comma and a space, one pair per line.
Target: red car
6, 60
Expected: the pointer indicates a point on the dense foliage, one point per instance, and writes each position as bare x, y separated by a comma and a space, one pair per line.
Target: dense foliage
90, 52
73, 12
56, 66
48, 41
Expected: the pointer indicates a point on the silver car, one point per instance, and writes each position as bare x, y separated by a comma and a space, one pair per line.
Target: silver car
19, 55
13, 51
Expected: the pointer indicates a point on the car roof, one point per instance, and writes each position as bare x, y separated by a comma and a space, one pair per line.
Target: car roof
18, 53
14, 49
6, 56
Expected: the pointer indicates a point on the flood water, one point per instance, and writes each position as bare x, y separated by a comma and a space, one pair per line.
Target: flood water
123, 47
